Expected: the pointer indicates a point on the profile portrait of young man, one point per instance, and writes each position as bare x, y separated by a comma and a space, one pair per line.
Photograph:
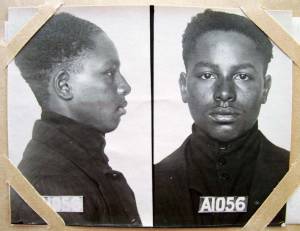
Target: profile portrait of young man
73, 69
226, 167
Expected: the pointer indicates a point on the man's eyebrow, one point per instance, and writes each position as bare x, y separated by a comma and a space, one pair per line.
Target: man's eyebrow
244, 66
112, 62
234, 68
207, 64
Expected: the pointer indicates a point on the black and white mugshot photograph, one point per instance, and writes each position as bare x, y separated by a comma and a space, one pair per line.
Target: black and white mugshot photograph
79, 109
222, 118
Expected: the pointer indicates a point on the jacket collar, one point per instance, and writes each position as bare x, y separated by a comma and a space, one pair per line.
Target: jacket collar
81, 145
89, 138
209, 146
209, 160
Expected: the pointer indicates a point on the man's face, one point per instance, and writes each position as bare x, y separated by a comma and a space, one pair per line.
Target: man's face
225, 84
99, 90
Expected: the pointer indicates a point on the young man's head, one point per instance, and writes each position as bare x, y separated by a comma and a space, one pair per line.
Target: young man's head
72, 68
226, 58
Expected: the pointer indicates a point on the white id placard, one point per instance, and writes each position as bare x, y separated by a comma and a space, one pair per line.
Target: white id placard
231, 204
71, 204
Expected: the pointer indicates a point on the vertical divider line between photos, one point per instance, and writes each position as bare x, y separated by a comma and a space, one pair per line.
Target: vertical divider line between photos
151, 11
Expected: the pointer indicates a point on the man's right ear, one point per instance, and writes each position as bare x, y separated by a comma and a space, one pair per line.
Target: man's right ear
61, 86
183, 87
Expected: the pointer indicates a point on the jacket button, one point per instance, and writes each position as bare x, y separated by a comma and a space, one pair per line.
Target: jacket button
133, 220
223, 148
256, 202
114, 175
224, 176
222, 161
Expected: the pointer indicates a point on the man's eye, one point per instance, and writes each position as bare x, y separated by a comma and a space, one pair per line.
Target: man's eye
241, 76
110, 73
207, 75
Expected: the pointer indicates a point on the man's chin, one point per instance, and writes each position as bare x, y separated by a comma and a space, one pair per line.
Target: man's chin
104, 128
225, 133
110, 130
110, 127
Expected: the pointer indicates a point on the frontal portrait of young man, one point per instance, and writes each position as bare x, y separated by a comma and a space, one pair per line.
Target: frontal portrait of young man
73, 68
226, 167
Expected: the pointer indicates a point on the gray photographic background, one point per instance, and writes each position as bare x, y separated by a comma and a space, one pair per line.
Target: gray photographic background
129, 146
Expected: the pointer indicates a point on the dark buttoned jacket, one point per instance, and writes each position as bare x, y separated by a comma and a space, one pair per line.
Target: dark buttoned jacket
65, 158
175, 190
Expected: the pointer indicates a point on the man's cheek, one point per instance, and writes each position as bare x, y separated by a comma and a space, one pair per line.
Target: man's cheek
198, 94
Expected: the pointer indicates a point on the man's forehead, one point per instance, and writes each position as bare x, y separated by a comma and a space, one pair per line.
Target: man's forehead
112, 63
228, 50
213, 37
224, 43
101, 58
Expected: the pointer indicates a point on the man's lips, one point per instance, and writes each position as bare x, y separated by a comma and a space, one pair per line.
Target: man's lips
224, 115
121, 109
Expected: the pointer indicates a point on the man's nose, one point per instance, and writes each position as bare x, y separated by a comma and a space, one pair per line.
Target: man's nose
225, 91
123, 86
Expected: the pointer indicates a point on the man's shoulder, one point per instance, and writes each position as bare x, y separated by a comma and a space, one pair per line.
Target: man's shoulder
273, 152
173, 161
171, 169
48, 171
272, 159
44, 154
39, 158
52, 174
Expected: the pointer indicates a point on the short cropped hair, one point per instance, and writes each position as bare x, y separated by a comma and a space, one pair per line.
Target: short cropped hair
215, 20
57, 44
